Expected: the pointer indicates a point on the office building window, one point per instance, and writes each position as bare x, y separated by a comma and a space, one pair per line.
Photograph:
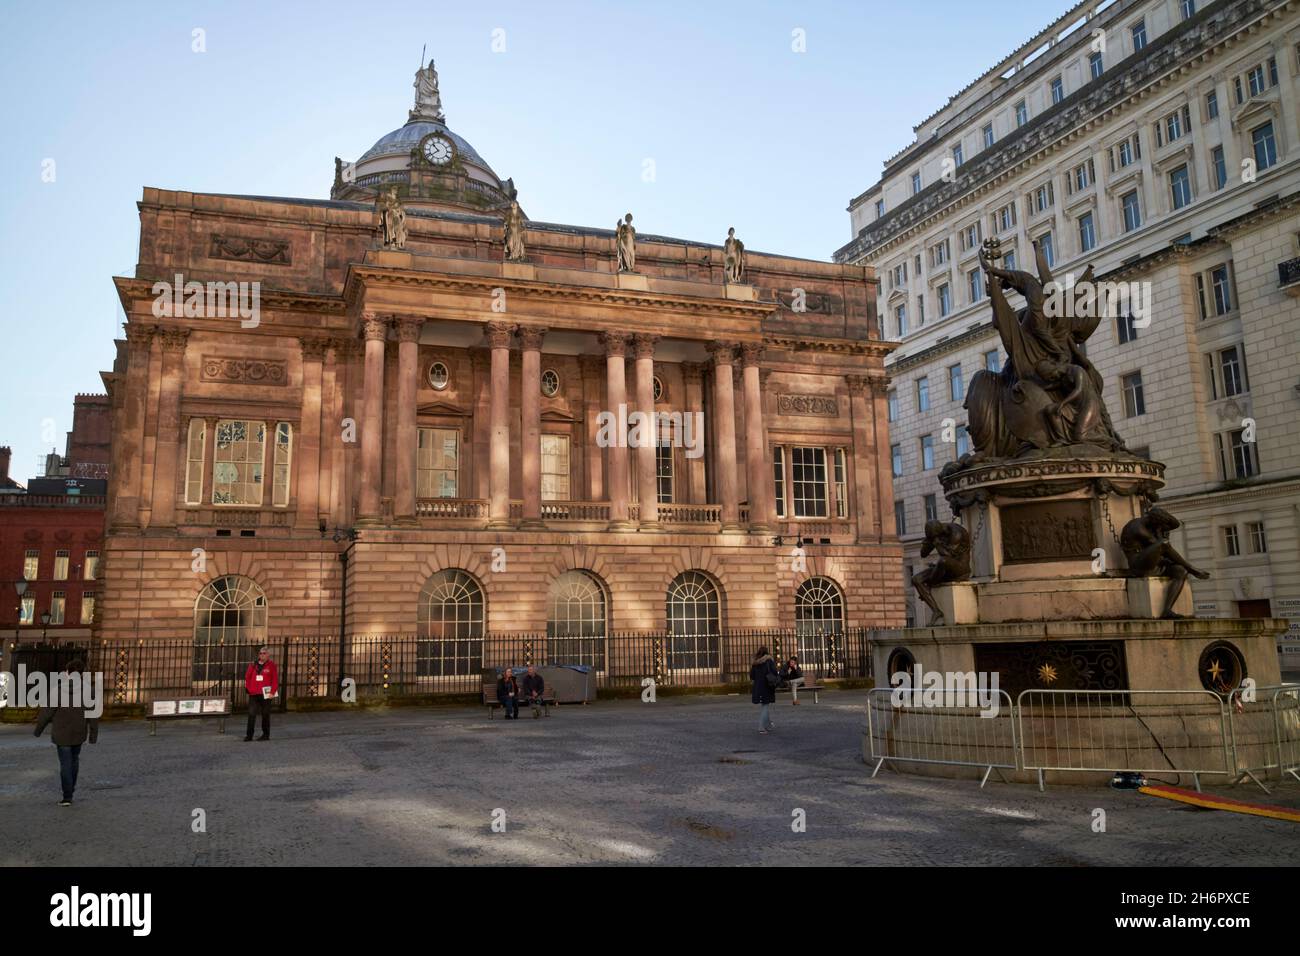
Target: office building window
1238, 458
1233, 371
1212, 105
61, 565
931, 508
892, 402
963, 440
896, 457
1044, 244
1231, 545
988, 136
916, 183
1126, 328
1095, 66
87, 607
1188, 8
1134, 402
1218, 167
1022, 113
956, 391
27, 609
91, 570
808, 477
1132, 212
58, 606
880, 208
927, 452
1261, 138
1180, 187
900, 319
923, 394
945, 299
31, 565
957, 156
1087, 233
1058, 90
1139, 33
975, 283
993, 361
900, 517
1255, 534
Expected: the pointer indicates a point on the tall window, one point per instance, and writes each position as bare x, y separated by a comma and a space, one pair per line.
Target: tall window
931, 503
778, 479
818, 623
194, 447
808, 473
957, 159
1022, 113
237, 463
27, 609
1126, 328
60, 565
1134, 402
945, 299
1231, 543
91, 571
87, 607
58, 606
1261, 138
555, 468
896, 456
229, 617
1132, 211
694, 614
975, 283
1233, 371
988, 135
880, 208
923, 394
449, 624
892, 403
956, 390
993, 361
1058, 90
900, 319
916, 183
841, 484
900, 517
664, 472
281, 463
1237, 457
437, 463
1139, 31
1087, 233
1095, 66
927, 452
963, 440
576, 621
1258, 541
1212, 105
1180, 187
1219, 168
1044, 245
1188, 8
31, 564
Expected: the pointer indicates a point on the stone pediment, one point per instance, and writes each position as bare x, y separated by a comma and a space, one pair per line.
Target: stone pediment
1262, 106
442, 408
557, 415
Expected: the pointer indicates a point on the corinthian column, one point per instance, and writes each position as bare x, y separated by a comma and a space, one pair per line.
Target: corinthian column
307, 466
616, 403
724, 410
128, 444
530, 411
498, 338
758, 475
408, 360
375, 331
169, 427
647, 484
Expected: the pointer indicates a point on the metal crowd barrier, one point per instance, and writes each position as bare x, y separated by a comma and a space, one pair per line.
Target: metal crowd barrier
1265, 732
1143, 731
954, 736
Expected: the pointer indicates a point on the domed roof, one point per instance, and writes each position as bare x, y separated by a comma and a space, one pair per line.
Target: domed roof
401, 141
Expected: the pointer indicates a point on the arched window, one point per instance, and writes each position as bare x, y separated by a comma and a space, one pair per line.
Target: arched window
450, 624
819, 624
694, 622
576, 621
229, 619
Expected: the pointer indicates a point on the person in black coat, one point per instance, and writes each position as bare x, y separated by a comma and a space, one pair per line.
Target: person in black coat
534, 688
70, 728
508, 693
764, 676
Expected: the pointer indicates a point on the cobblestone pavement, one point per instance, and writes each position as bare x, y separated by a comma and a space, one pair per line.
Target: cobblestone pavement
681, 781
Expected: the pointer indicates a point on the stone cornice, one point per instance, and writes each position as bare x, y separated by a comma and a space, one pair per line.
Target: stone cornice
1054, 130
1276, 488
873, 347
902, 363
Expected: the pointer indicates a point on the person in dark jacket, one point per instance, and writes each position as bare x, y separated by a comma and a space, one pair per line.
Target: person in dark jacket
534, 689
792, 675
70, 729
508, 692
262, 681
764, 676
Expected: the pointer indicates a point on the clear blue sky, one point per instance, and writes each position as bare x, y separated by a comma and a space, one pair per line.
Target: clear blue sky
742, 130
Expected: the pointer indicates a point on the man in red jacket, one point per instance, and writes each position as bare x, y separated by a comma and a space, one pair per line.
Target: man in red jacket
262, 682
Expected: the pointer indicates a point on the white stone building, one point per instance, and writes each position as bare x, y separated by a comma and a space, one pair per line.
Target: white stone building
1160, 141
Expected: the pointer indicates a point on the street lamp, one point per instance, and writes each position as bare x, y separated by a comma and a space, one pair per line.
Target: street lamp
45, 625
21, 588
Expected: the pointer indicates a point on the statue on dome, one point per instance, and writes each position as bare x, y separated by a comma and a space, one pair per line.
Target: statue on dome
428, 101
514, 231
625, 244
392, 219
1048, 396
733, 257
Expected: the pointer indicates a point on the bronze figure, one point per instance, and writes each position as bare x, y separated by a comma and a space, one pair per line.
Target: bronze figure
1145, 543
952, 543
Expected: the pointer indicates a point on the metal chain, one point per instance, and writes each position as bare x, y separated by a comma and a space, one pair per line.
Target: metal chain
979, 527
1105, 510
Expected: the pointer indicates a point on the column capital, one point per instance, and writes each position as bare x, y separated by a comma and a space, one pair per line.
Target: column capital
751, 353
857, 384
693, 372
407, 327
173, 340
498, 334
615, 343
139, 334
373, 328
314, 347
722, 353
643, 345
530, 337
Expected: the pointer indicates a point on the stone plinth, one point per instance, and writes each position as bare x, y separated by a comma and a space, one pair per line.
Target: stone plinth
958, 602
1095, 597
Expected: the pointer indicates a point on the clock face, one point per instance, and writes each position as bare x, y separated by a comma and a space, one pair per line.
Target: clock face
438, 150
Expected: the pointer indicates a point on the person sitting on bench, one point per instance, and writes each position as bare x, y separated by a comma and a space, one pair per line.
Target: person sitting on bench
508, 692
534, 689
792, 674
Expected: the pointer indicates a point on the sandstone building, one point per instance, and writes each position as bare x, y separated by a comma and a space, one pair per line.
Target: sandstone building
407, 439
1160, 141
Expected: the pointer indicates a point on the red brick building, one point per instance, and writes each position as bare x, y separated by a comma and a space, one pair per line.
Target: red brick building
447, 406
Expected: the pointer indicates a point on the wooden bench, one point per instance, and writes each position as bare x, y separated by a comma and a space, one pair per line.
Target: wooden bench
491, 703
810, 685
182, 707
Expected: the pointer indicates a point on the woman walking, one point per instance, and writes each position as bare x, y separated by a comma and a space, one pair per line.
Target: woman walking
764, 676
